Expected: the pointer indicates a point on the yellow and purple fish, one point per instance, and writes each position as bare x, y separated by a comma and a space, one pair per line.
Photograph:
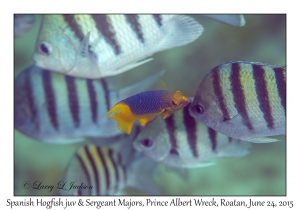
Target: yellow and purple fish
145, 107
243, 100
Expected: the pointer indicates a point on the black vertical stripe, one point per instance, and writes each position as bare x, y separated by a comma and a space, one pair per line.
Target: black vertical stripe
73, 99
93, 99
262, 94
85, 170
107, 30
281, 86
106, 92
74, 26
229, 139
110, 154
50, 98
107, 178
191, 130
158, 19
238, 95
170, 124
95, 170
133, 20
213, 138
80, 193
30, 97
218, 92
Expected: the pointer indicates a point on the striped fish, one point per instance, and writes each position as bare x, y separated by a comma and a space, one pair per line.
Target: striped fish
182, 141
107, 171
57, 108
97, 46
244, 100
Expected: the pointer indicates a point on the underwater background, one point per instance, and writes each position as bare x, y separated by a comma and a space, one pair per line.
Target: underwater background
262, 172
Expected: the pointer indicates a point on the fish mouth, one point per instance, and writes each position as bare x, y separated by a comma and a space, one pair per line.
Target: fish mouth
39, 62
137, 146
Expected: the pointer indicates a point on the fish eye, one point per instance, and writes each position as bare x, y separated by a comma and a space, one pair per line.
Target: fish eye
199, 108
147, 142
174, 102
45, 48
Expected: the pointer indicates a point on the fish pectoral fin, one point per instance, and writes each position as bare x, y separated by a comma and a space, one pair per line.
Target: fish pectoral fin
86, 59
130, 66
235, 122
145, 121
166, 115
261, 140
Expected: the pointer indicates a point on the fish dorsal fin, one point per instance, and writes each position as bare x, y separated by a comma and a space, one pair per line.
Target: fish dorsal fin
161, 85
143, 85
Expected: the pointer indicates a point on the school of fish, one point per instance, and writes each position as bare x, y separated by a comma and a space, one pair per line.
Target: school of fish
71, 94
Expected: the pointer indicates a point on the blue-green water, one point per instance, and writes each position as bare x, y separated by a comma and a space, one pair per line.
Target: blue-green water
263, 172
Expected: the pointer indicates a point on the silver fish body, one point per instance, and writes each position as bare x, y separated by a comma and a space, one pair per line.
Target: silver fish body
182, 141
244, 100
97, 46
57, 108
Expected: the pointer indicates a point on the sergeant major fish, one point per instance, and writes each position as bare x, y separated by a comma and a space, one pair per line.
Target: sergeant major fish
57, 108
244, 100
108, 170
182, 141
146, 107
97, 46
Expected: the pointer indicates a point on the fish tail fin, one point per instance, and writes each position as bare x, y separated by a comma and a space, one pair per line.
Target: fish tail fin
119, 113
181, 30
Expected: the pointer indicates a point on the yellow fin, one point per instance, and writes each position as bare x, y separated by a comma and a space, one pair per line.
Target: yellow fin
166, 115
118, 108
124, 126
123, 115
